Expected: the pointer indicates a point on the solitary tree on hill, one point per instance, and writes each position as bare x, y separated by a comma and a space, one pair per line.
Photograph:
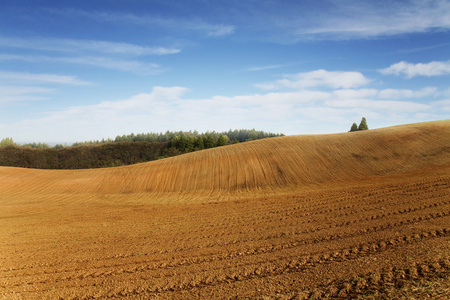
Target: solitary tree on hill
354, 127
363, 124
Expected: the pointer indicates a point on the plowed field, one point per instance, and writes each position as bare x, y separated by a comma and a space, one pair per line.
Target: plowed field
354, 215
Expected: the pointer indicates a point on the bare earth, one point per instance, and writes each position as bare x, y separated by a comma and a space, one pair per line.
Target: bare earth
362, 215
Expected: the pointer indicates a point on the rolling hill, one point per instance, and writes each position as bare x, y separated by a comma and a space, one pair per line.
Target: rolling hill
358, 215
268, 166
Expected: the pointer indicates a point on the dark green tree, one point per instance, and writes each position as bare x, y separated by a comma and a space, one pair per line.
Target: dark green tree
199, 143
354, 127
190, 144
222, 140
209, 142
363, 124
182, 143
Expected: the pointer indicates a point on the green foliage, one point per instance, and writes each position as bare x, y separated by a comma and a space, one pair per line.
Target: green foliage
199, 143
84, 157
36, 145
241, 135
6, 142
222, 140
186, 138
190, 142
123, 150
362, 126
94, 142
210, 142
244, 135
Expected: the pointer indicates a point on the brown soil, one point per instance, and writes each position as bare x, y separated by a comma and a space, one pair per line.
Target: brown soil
357, 215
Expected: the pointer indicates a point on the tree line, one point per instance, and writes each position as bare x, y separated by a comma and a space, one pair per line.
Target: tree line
241, 135
124, 150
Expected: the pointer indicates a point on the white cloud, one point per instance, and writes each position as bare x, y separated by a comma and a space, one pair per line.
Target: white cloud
318, 78
369, 19
290, 22
355, 93
117, 48
168, 108
179, 24
383, 105
132, 66
20, 86
40, 78
126, 65
263, 68
403, 93
221, 30
286, 22
443, 105
369, 99
104, 54
15, 94
89, 46
424, 48
386, 94
434, 68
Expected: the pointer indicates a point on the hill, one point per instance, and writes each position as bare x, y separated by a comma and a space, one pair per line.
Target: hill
270, 165
358, 215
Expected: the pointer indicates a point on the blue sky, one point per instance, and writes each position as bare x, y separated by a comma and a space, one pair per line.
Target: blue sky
81, 70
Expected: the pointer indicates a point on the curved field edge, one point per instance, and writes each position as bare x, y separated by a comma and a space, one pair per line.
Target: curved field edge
276, 165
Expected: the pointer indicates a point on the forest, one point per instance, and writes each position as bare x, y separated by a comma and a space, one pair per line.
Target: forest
123, 150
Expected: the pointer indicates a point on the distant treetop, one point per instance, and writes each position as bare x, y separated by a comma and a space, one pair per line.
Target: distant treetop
6, 142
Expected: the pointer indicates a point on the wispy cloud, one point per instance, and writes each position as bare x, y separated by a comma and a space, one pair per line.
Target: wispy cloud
132, 66
263, 68
287, 22
40, 78
297, 21
424, 48
386, 94
85, 46
22, 86
15, 94
368, 19
322, 78
405, 93
180, 23
434, 68
389, 100
220, 30
126, 65
109, 55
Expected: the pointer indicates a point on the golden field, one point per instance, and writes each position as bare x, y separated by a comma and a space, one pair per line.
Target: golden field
353, 215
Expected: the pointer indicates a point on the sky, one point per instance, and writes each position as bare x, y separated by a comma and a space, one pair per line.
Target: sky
86, 70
